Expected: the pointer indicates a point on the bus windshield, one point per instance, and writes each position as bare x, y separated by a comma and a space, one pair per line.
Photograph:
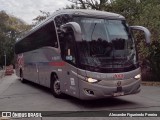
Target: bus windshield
106, 46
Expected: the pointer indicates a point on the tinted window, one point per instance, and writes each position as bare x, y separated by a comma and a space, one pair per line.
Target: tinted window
67, 39
106, 46
45, 36
68, 48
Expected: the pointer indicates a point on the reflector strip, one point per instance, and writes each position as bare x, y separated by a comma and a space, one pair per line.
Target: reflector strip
57, 63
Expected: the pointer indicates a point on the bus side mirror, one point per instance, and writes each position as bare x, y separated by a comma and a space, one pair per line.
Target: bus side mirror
76, 28
145, 30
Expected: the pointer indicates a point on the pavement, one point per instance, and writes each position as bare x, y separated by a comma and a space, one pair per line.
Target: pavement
16, 96
1, 74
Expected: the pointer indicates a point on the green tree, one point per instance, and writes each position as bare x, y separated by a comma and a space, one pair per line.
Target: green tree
41, 17
10, 30
89, 4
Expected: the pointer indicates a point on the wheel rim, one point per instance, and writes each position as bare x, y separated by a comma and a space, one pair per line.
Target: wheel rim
57, 87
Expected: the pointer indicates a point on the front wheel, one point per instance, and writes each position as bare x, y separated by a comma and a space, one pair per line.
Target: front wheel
55, 87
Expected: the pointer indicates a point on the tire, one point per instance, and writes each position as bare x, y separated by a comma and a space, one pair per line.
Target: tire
55, 87
21, 76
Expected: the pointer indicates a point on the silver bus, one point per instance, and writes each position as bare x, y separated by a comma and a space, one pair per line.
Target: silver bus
88, 54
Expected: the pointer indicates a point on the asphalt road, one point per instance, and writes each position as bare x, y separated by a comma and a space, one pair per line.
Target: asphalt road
17, 96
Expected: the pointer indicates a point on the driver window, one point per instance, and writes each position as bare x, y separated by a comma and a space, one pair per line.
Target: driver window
68, 49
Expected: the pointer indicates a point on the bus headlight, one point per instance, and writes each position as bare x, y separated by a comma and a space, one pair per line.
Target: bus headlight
91, 80
138, 76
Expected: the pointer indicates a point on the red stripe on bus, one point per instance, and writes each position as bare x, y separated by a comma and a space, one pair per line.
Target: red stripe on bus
57, 63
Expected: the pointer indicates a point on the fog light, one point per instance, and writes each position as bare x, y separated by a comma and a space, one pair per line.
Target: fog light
89, 91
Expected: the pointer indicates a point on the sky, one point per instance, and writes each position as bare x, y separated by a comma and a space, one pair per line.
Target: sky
27, 10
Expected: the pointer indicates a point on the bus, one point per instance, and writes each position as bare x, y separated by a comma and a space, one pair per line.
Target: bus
87, 54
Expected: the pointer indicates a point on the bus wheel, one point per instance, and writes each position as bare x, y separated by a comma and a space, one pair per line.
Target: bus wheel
55, 87
21, 76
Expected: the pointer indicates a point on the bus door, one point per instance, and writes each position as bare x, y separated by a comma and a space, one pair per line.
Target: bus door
70, 83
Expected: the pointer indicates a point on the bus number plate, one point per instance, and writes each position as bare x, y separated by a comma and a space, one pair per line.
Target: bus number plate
118, 94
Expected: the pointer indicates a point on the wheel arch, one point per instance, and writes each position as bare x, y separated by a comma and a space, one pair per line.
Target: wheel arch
53, 76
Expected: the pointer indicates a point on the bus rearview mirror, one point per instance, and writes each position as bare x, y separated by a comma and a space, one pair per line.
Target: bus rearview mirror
76, 28
145, 30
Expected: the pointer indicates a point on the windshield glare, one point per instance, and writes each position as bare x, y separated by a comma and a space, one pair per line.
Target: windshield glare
106, 44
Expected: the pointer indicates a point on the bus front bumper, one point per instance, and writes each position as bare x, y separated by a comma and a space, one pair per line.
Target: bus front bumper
95, 91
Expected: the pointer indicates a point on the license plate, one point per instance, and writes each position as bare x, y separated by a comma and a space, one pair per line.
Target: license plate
118, 94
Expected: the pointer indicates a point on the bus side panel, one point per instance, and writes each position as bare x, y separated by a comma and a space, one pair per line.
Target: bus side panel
30, 66
69, 81
48, 57
17, 65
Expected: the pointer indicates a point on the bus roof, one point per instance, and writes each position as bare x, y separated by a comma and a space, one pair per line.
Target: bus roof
78, 12
88, 13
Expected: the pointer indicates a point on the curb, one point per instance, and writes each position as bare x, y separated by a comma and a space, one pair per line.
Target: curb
151, 83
